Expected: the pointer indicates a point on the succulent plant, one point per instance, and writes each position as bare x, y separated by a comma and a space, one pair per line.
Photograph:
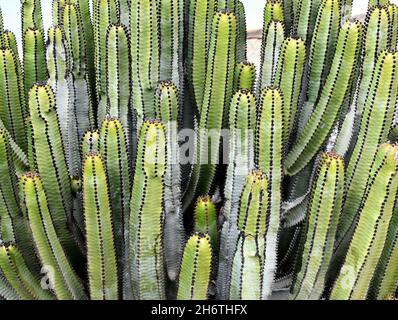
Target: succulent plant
143, 157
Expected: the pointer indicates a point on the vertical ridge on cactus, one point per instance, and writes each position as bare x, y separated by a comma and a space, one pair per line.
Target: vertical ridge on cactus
245, 76
31, 15
62, 277
90, 142
205, 220
320, 230
101, 252
195, 268
371, 229
147, 214
305, 18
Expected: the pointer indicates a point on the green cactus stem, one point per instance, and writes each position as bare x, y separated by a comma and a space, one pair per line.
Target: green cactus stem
12, 99
34, 58
215, 109
374, 129
200, 20
90, 142
62, 278
371, 229
145, 55
247, 275
114, 148
242, 121
101, 252
79, 67
58, 11
333, 94
196, 268
118, 87
10, 41
289, 10
16, 271
31, 15
49, 160
288, 78
373, 3
273, 11
346, 8
147, 214
320, 228
272, 42
206, 220
125, 12
167, 103
305, 18
245, 76
393, 9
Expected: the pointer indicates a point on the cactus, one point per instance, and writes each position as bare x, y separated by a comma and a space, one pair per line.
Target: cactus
147, 214
195, 270
245, 76
101, 253
205, 220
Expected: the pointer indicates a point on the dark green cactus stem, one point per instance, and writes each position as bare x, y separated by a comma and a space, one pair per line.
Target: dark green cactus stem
247, 275
49, 160
90, 142
172, 38
34, 58
305, 18
242, 121
215, 109
147, 214
371, 229
320, 228
106, 12
200, 20
10, 41
79, 66
167, 104
374, 129
245, 76
269, 155
12, 99
206, 220
145, 55
16, 271
272, 42
101, 252
62, 84
115, 150
62, 277
118, 87
288, 78
332, 97
323, 46
289, 10
196, 268
384, 283
31, 15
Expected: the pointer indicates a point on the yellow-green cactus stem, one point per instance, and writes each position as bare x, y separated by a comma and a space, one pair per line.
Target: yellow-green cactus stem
215, 110
90, 142
373, 3
146, 246
346, 8
269, 156
171, 15
10, 41
196, 265
114, 148
374, 128
101, 252
79, 67
16, 271
393, 9
106, 12
245, 76
206, 219
271, 45
322, 48
305, 18
31, 15
125, 12
62, 277
1, 27
167, 103
200, 20
34, 58
12, 98
320, 228
288, 78
242, 121
49, 160
58, 11
145, 56
273, 11
371, 229
118, 87
62, 84
332, 97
